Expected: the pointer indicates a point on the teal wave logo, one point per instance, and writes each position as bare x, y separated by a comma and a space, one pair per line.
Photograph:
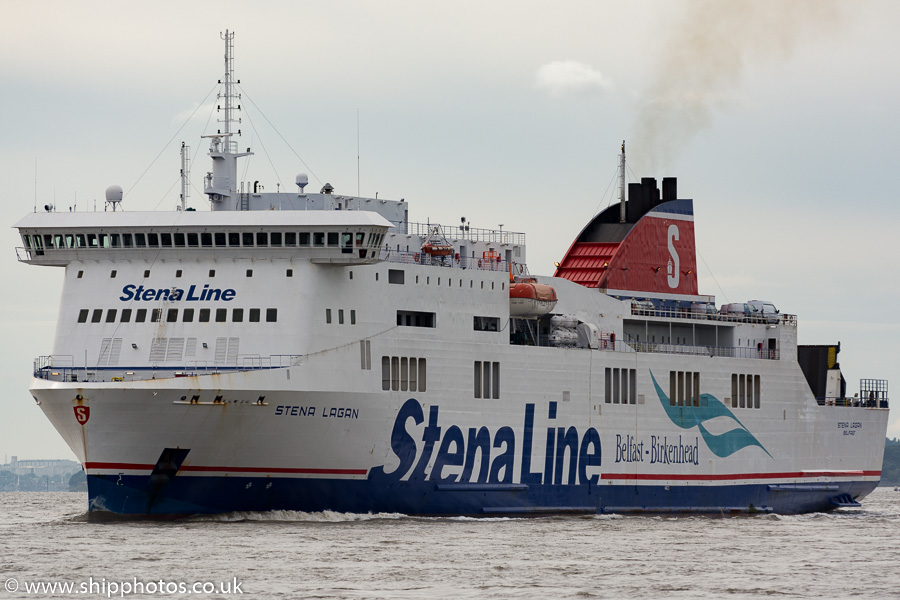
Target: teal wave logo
687, 417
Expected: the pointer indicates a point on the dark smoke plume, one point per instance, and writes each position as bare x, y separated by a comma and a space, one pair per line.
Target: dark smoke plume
703, 57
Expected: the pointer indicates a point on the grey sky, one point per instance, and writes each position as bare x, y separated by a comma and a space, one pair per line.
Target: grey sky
778, 119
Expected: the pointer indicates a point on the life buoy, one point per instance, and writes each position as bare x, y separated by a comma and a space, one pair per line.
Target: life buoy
416, 257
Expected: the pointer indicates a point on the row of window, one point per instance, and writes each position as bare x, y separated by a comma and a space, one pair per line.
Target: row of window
744, 390
204, 315
340, 316
398, 276
486, 324
219, 239
487, 380
402, 374
684, 388
178, 272
621, 386
415, 318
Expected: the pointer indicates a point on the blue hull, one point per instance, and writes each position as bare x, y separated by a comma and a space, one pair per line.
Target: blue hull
186, 495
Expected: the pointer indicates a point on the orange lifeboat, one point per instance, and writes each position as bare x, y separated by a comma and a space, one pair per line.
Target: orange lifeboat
531, 299
437, 249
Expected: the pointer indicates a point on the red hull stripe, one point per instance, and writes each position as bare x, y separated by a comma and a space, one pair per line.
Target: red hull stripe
202, 469
727, 477
611, 476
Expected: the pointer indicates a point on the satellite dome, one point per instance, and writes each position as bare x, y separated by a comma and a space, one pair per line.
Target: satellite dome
114, 193
301, 180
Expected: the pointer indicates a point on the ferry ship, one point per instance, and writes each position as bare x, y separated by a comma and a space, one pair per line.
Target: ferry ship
308, 351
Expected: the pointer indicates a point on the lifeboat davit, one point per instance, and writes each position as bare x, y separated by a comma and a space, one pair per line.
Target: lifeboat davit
529, 299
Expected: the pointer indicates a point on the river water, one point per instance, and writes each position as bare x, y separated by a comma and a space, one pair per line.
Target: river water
46, 540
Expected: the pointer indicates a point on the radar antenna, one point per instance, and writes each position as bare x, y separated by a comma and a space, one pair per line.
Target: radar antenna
221, 182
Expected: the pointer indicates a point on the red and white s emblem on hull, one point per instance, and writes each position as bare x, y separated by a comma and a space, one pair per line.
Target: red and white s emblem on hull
82, 414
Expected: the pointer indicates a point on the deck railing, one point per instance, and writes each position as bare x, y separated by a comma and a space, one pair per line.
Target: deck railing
685, 313
463, 262
61, 368
466, 232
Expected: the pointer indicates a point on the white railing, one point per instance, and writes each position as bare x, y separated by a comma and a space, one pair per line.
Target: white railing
472, 234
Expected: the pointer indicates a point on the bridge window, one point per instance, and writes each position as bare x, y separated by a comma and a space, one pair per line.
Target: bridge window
219, 238
139, 240
193, 240
318, 239
303, 238
234, 239
262, 238
275, 238
333, 238
290, 238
